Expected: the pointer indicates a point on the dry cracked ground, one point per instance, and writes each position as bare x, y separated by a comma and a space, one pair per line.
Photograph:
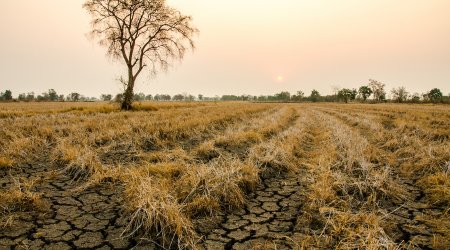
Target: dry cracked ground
70, 219
92, 218
268, 219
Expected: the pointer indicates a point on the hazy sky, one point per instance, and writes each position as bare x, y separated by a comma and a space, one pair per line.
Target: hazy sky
244, 46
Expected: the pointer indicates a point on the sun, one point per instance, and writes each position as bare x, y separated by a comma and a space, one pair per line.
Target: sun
280, 78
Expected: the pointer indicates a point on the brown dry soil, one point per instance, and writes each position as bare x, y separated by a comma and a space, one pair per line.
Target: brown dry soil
93, 218
268, 219
70, 219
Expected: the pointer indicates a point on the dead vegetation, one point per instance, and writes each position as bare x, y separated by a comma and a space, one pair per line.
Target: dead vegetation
20, 197
370, 173
345, 189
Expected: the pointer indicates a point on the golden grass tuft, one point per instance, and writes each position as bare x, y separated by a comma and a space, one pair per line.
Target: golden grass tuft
81, 162
437, 188
6, 162
356, 231
156, 212
19, 198
206, 151
224, 181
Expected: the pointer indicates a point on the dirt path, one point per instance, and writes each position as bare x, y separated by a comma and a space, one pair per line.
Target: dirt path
88, 219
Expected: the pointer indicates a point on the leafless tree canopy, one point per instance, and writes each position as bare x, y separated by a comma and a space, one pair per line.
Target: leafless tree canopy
144, 33
377, 89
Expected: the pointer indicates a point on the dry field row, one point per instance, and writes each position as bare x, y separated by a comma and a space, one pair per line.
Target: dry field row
224, 176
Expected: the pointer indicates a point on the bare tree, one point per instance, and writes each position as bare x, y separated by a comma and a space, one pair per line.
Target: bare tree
377, 89
399, 94
144, 33
335, 89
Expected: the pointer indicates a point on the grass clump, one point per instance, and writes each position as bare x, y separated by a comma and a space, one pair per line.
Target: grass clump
19, 198
221, 182
437, 188
6, 162
154, 210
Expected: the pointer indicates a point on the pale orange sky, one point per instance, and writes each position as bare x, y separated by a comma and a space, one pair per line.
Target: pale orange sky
243, 47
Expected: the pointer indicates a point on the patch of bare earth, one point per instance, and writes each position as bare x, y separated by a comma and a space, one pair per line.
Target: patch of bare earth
268, 217
70, 219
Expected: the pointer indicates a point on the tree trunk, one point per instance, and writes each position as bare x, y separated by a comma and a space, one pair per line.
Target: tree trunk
128, 95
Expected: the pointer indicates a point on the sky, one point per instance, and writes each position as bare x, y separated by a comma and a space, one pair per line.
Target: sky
244, 47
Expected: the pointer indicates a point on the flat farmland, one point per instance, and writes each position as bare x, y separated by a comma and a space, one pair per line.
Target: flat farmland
225, 175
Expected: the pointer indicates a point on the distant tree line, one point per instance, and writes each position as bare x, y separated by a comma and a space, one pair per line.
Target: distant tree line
372, 92
50, 96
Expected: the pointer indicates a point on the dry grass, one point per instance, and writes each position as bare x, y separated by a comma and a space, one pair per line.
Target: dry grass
147, 152
351, 176
180, 161
13, 109
336, 206
19, 198
437, 188
153, 209
412, 142
413, 145
6, 162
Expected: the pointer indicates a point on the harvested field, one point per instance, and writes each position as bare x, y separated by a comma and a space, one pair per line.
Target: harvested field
224, 176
